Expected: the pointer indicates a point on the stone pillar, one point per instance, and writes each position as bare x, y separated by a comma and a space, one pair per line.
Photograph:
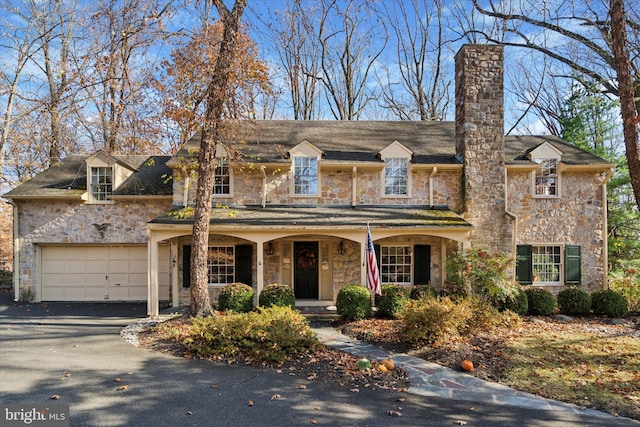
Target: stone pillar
480, 143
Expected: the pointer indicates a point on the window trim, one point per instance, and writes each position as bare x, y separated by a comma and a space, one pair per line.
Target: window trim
294, 175
226, 165
92, 185
209, 265
409, 264
539, 174
407, 177
560, 264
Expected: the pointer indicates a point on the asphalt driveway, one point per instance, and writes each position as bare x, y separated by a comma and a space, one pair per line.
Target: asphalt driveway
75, 351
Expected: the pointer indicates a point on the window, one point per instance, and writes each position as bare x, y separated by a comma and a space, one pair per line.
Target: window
396, 177
221, 179
305, 176
395, 264
221, 265
547, 178
101, 183
546, 263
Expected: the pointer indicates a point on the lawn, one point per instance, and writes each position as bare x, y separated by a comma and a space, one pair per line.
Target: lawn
586, 361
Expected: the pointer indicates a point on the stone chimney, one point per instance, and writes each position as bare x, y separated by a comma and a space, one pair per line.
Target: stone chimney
480, 143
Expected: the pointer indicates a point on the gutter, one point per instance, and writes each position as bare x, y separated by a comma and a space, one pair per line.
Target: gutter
510, 214
16, 253
605, 231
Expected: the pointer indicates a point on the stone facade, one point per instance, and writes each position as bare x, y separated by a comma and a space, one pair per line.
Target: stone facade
480, 143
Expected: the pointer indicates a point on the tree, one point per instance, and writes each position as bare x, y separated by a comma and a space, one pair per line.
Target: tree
420, 50
590, 47
218, 96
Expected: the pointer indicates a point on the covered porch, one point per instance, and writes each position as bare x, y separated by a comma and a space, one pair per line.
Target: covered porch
315, 250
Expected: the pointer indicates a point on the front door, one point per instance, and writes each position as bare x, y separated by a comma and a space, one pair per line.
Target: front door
306, 270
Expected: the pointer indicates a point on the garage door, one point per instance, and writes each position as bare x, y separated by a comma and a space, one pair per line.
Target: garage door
98, 273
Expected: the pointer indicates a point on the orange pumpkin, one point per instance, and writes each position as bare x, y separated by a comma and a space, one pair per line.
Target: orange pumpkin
467, 365
388, 363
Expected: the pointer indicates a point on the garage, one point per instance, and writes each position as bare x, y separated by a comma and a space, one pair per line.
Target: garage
99, 273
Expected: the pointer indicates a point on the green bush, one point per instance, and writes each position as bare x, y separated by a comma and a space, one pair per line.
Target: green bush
541, 302
433, 320
236, 297
275, 294
421, 291
353, 302
6, 279
627, 282
391, 300
609, 303
269, 335
518, 303
574, 301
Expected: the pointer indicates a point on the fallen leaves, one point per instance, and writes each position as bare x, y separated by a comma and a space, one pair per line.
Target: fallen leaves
55, 397
123, 387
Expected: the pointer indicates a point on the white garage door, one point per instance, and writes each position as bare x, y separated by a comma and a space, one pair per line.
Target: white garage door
98, 273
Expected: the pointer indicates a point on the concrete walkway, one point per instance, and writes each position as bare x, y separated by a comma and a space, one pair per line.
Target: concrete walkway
430, 379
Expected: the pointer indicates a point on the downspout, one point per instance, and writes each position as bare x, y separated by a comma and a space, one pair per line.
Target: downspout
185, 188
513, 216
354, 175
16, 253
264, 186
605, 231
433, 173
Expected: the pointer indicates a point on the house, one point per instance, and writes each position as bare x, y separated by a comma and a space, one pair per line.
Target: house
295, 211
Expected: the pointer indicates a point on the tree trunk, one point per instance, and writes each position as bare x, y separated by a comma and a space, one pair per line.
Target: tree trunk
213, 132
626, 93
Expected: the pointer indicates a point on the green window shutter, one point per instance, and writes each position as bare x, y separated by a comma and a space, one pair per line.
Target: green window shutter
572, 265
244, 264
421, 264
524, 264
186, 266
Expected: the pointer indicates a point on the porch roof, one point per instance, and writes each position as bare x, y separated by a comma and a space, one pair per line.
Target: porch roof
319, 217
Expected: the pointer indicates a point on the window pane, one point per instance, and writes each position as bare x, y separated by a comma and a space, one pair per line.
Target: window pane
101, 183
546, 264
546, 178
396, 176
395, 264
221, 177
305, 174
221, 265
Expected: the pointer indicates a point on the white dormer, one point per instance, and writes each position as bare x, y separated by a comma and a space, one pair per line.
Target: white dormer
547, 178
305, 171
104, 174
396, 150
305, 149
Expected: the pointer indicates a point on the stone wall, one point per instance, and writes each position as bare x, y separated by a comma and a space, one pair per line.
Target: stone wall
70, 222
480, 143
574, 218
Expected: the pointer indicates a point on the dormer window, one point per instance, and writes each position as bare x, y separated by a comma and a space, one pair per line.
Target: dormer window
396, 157
305, 176
396, 177
101, 182
222, 182
547, 177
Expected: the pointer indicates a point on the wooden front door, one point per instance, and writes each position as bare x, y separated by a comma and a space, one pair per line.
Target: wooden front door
305, 270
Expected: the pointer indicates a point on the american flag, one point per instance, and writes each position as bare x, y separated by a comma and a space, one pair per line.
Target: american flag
373, 275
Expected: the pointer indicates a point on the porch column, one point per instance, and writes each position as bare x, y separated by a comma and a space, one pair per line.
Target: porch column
152, 276
259, 270
175, 296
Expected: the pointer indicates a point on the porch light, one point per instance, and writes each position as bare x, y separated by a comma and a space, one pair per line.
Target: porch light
341, 247
270, 249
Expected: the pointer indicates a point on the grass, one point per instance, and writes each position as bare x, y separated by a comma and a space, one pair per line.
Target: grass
582, 368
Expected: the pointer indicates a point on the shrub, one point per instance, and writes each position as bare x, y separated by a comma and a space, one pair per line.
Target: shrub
574, 301
433, 320
391, 300
275, 294
270, 335
541, 302
421, 291
609, 303
6, 279
353, 302
627, 282
483, 274
518, 303
236, 297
